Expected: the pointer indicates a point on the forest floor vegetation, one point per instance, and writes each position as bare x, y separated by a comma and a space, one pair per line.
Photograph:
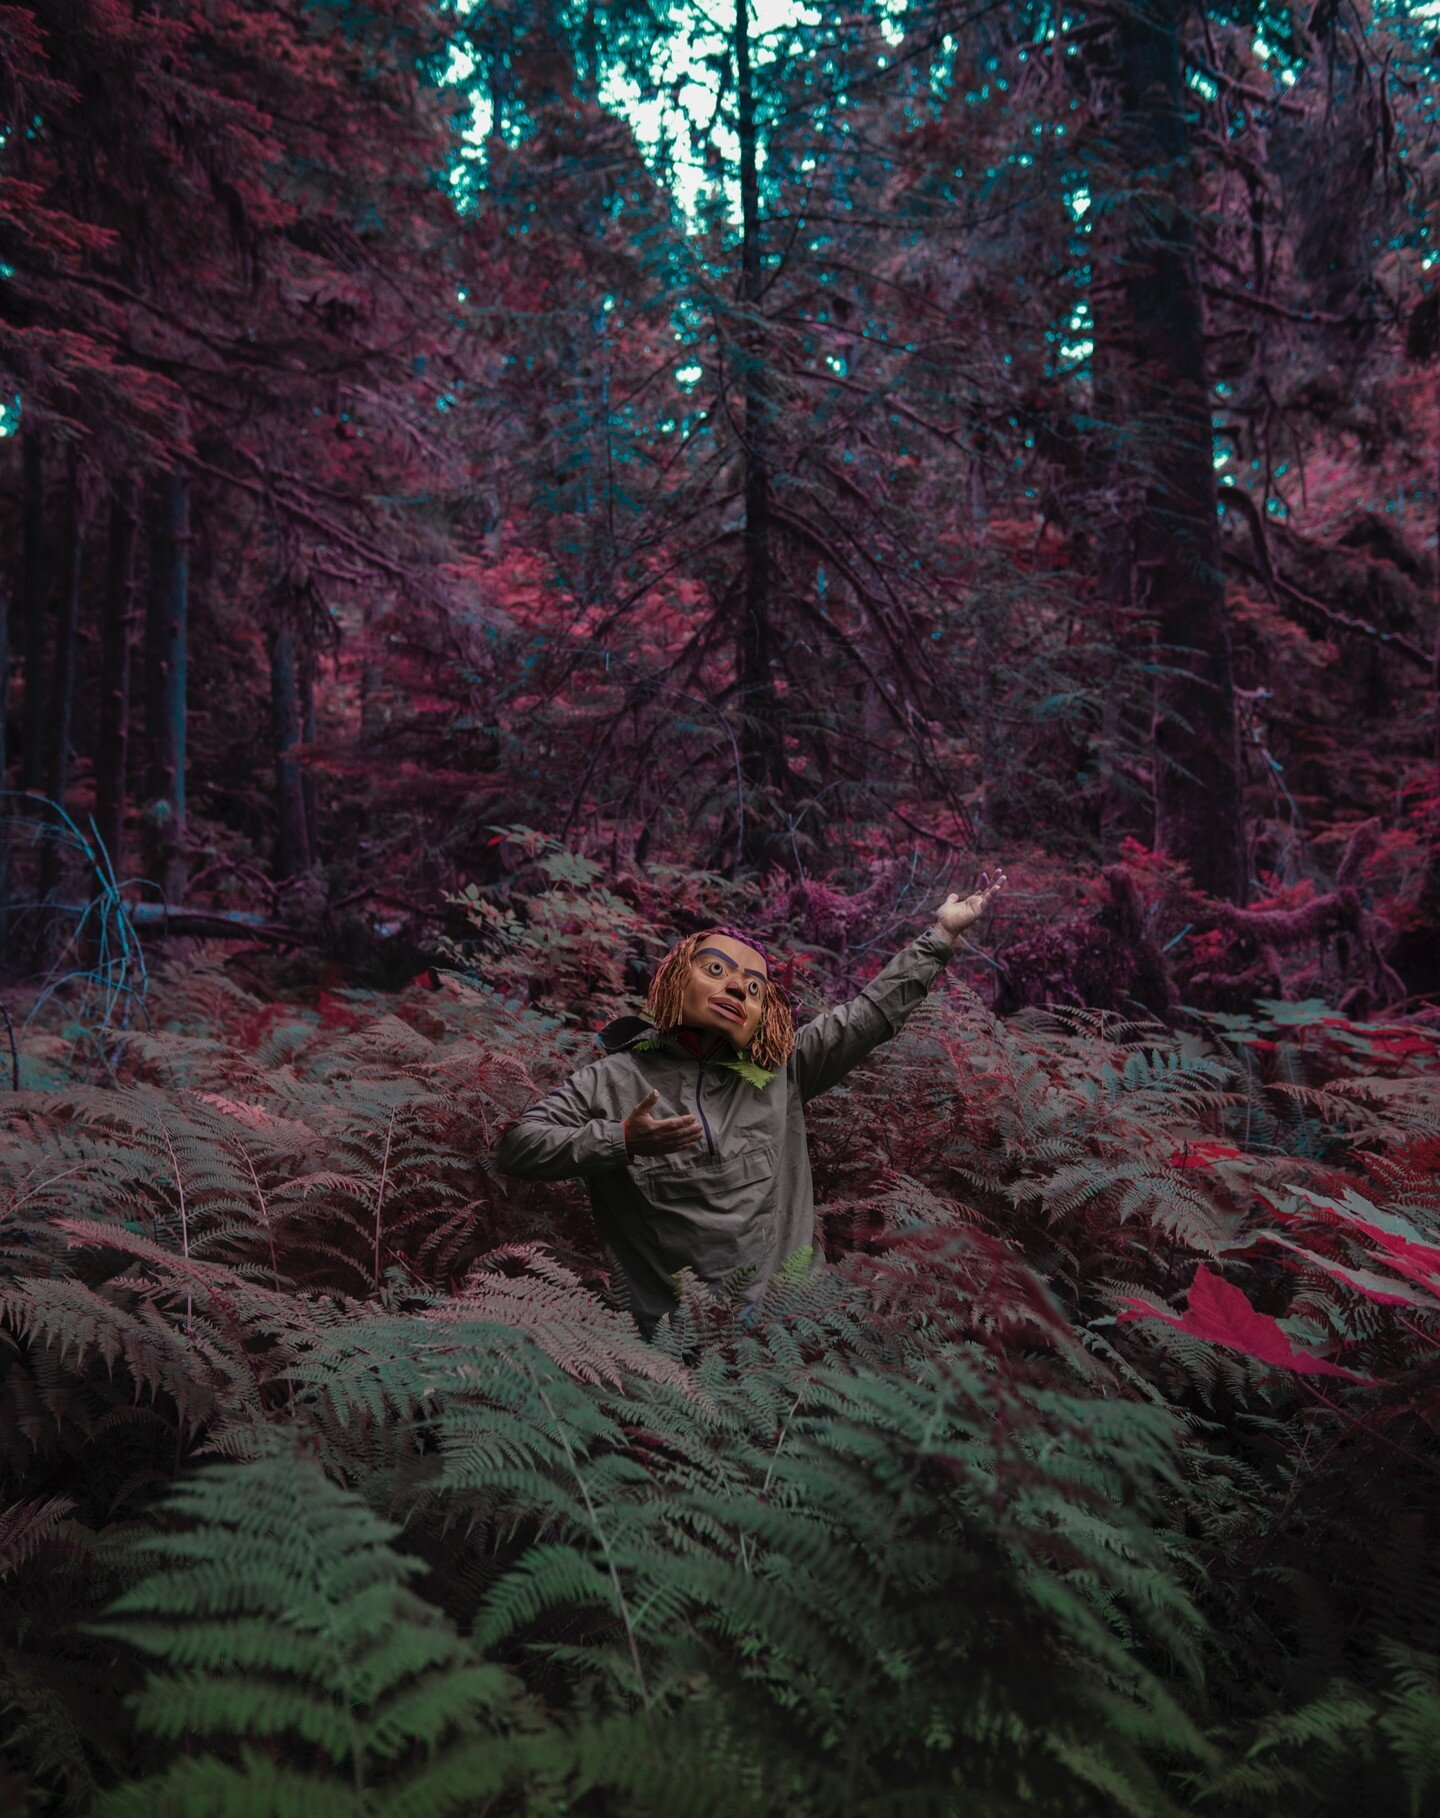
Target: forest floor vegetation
1091, 1469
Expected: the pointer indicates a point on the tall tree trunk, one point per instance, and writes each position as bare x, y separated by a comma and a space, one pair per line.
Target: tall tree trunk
30, 610
1125, 809
372, 675
292, 842
5, 805
24, 607
761, 737
62, 692
1416, 954
167, 613
308, 790
1177, 543
982, 811
112, 742
1430, 883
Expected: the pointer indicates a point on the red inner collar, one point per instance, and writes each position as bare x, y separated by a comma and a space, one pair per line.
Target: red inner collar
701, 1042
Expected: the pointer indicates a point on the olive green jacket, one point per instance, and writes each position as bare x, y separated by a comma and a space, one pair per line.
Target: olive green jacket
743, 1198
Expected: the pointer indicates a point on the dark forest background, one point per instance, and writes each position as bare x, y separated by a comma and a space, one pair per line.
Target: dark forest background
1026, 447
466, 520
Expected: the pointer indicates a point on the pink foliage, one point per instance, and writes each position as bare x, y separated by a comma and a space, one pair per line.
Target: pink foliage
1203, 1154
1219, 1313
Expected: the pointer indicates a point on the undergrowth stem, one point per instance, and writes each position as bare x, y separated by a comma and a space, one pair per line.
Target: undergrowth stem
621, 1603
184, 1220
770, 1473
380, 1192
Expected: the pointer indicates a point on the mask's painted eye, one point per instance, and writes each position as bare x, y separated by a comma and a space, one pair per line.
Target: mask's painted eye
754, 987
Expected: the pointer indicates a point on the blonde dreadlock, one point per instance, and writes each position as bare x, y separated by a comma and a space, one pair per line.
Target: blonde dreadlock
773, 1040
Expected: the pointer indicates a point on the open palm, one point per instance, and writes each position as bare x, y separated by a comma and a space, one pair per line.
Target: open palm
958, 913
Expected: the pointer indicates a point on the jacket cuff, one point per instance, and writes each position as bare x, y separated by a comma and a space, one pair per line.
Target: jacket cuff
930, 944
613, 1153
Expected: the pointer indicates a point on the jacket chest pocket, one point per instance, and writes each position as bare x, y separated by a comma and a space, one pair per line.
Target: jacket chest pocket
713, 1185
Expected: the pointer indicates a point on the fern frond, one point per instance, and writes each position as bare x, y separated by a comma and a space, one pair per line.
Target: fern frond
78, 1320
258, 1787
26, 1526
1410, 1722
548, 1303
279, 1609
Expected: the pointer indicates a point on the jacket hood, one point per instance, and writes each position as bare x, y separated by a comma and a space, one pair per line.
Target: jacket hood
624, 1030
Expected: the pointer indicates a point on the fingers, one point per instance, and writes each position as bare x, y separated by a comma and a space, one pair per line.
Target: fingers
984, 890
674, 1124
643, 1124
668, 1145
648, 1135
667, 1135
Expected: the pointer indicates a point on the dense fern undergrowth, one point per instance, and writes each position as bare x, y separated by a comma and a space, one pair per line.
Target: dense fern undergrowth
1092, 1472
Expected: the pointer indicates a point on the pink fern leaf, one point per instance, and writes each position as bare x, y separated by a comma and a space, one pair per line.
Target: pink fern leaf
587, 1339
1382, 1289
1405, 1248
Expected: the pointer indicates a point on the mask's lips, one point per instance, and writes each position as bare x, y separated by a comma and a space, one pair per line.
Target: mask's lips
726, 1008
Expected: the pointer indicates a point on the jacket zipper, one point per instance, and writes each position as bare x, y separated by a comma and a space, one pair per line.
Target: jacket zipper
705, 1121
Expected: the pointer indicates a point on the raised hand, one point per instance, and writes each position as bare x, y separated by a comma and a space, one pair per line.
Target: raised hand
957, 913
646, 1135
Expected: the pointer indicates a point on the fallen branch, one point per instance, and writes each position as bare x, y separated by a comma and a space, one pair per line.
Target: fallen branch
372, 893
1278, 587
160, 920
1320, 919
1308, 318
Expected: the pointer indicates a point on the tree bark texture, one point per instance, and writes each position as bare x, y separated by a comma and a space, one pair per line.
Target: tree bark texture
61, 705
167, 612
292, 838
1435, 647
762, 749
1125, 806
112, 742
5, 806
30, 613
309, 789
1176, 536
1416, 955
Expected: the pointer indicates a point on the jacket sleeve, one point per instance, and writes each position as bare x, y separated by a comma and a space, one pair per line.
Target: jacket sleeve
839, 1039
564, 1135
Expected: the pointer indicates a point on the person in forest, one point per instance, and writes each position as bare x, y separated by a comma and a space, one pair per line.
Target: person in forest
689, 1130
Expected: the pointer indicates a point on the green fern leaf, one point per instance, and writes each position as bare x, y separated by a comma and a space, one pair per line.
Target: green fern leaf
280, 1610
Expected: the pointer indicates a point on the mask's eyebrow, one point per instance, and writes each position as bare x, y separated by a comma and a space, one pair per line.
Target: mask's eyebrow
715, 953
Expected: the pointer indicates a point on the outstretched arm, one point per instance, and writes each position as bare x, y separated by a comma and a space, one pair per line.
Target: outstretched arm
839, 1039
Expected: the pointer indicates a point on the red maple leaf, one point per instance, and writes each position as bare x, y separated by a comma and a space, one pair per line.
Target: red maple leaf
1202, 1154
1218, 1312
1403, 1045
